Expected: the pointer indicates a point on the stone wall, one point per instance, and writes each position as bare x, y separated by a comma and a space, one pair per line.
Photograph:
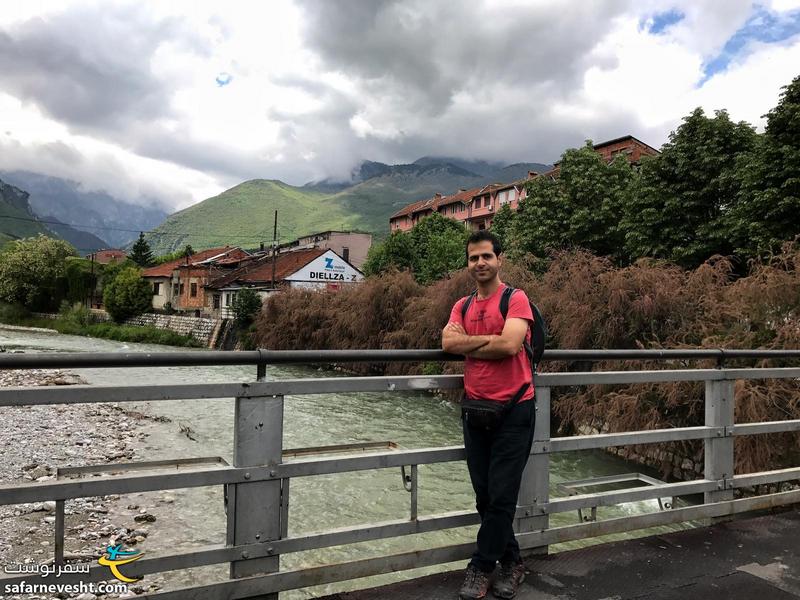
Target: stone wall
671, 465
203, 330
200, 329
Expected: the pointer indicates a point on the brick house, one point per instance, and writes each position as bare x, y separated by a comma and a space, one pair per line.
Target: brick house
632, 148
108, 255
181, 282
305, 268
476, 207
352, 246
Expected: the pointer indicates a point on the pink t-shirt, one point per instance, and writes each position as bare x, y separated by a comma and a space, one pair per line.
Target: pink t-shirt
495, 379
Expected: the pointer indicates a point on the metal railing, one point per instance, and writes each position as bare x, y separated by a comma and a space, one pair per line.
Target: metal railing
259, 475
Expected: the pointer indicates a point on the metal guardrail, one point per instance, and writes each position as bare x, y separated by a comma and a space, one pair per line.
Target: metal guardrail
260, 477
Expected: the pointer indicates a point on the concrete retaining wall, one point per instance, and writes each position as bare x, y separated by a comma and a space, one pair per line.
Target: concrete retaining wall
203, 330
200, 329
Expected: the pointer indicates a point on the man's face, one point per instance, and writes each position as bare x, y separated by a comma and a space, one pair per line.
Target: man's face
482, 263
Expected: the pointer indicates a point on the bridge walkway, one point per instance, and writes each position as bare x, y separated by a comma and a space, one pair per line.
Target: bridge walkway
748, 559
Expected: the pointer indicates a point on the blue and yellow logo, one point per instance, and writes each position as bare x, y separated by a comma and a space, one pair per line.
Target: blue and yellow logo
115, 556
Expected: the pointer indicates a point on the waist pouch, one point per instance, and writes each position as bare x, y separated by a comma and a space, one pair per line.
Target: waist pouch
488, 414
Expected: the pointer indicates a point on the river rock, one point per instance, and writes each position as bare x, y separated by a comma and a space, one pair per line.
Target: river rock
40, 471
145, 518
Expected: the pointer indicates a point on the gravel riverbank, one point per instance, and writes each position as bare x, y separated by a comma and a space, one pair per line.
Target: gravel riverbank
34, 442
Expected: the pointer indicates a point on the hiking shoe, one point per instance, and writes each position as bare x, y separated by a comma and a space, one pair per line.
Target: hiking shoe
476, 584
508, 579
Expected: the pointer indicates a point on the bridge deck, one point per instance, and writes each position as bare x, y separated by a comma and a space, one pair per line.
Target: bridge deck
746, 559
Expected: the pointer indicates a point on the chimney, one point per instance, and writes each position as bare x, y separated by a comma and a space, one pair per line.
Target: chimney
438, 196
261, 247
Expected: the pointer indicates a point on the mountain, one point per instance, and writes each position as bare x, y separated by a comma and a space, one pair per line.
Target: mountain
492, 172
243, 215
84, 242
95, 212
16, 218
478, 167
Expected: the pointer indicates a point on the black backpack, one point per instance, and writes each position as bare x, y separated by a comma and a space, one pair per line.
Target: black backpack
535, 348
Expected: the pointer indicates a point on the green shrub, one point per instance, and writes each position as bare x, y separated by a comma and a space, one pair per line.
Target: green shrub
127, 295
13, 313
245, 307
76, 313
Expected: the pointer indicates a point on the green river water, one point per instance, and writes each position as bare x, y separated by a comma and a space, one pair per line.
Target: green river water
410, 419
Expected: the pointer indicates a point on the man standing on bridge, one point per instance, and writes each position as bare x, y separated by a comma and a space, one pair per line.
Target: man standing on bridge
497, 412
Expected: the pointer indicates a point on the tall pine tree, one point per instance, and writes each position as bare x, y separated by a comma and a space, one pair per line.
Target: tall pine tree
141, 253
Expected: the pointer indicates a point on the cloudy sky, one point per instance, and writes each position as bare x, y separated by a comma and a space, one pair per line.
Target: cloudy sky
181, 100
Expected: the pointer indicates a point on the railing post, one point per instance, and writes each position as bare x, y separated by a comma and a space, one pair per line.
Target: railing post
534, 493
254, 509
719, 450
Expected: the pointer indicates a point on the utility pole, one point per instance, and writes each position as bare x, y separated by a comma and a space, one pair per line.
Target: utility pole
274, 246
91, 279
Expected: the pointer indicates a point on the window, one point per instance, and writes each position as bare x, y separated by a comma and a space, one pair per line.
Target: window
505, 197
176, 291
216, 302
180, 290
346, 254
478, 203
157, 288
193, 290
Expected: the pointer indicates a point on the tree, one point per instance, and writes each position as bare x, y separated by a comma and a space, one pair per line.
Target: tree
246, 306
438, 247
81, 278
141, 253
32, 272
127, 294
678, 211
579, 208
768, 209
502, 225
396, 251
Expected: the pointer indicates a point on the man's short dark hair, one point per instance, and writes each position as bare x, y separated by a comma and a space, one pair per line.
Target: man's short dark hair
483, 235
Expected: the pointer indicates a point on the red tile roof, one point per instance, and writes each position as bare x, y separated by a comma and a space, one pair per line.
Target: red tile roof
259, 271
420, 205
434, 203
165, 269
462, 196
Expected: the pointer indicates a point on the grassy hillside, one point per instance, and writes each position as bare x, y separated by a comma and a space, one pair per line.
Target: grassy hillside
243, 216
375, 200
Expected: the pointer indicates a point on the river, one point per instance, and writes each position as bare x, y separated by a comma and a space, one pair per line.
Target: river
410, 419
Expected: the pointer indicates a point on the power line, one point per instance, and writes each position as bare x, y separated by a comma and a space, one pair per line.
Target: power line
153, 232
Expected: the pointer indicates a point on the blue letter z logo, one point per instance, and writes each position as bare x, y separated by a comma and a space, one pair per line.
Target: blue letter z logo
328, 263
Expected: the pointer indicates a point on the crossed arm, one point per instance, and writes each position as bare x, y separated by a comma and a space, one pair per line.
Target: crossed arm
456, 341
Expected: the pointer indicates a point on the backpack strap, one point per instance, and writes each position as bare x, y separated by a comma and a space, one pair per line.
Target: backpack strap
532, 347
467, 302
505, 299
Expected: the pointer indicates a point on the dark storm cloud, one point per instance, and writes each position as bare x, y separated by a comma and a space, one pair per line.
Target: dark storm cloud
468, 80
427, 78
90, 67
430, 50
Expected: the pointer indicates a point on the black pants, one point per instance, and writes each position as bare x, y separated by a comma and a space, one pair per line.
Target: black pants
496, 459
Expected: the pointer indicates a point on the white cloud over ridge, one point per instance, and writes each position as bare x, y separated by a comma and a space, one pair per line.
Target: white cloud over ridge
178, 101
